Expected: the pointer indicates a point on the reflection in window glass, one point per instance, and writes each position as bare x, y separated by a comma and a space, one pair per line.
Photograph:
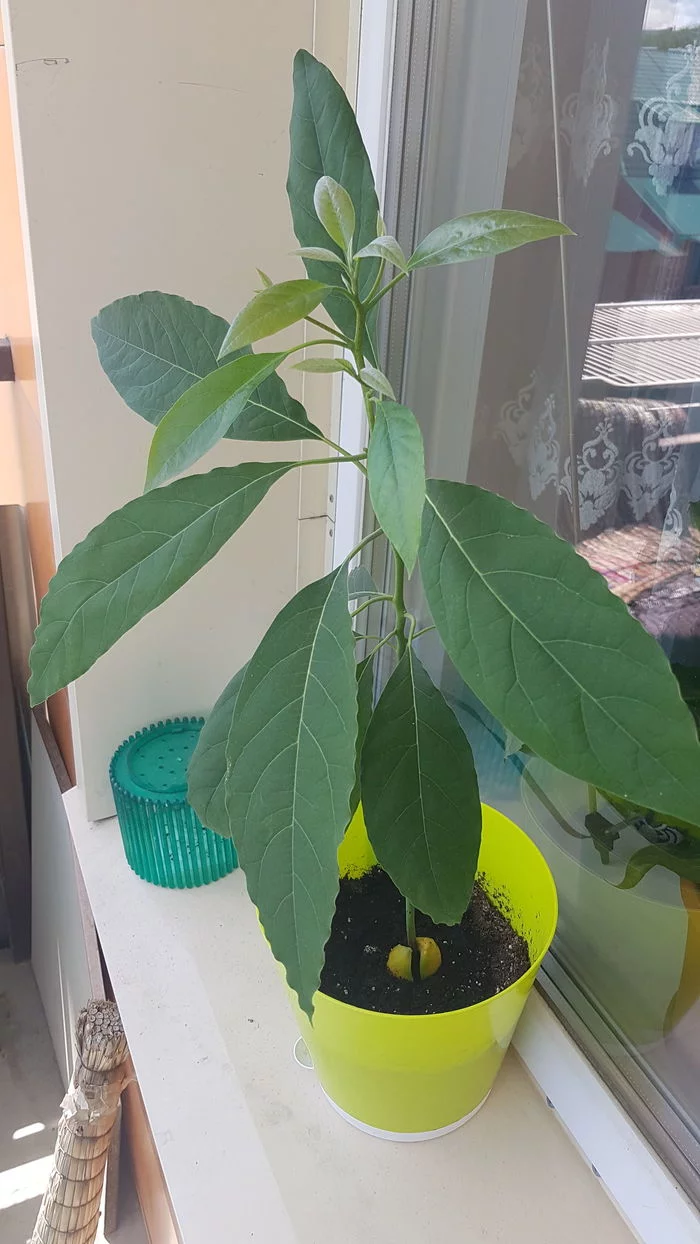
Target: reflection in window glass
587, 411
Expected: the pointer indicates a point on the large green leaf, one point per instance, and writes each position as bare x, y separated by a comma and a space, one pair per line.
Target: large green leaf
557, 658
154, 346
325, 141
200, 417
206, 774
291, 758
482, 233
365, 703
420, 795
396, 476
270, 310
135, 560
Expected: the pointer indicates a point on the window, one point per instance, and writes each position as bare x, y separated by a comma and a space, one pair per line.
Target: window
567, 377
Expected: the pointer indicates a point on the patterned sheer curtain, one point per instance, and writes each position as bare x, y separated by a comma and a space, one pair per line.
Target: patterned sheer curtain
602, 357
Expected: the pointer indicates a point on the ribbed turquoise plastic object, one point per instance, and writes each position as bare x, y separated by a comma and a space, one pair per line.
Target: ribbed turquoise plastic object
164, 840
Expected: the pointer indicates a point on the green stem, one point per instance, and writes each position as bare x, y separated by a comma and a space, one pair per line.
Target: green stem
384, 290
356, 458
592, 799
424, 631
373, 600
377, 280
363, 543
328, 328
399, 602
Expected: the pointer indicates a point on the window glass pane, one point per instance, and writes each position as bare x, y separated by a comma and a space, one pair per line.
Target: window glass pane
572, 386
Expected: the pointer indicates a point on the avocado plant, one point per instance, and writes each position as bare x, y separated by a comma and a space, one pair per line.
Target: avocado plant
295, 739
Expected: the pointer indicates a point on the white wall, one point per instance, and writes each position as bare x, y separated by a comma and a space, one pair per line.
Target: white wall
64, 944
153, 137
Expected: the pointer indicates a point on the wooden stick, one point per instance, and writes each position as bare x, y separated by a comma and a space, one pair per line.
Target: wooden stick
70, 1209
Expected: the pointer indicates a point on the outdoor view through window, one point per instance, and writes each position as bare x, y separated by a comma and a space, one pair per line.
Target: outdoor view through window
587, 411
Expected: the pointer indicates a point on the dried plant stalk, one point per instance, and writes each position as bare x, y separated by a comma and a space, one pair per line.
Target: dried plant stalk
70, 1209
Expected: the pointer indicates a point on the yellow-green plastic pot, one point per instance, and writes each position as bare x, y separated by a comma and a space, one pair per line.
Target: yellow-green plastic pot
413, 1077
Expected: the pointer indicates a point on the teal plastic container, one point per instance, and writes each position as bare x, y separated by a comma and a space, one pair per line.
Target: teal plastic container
164, 840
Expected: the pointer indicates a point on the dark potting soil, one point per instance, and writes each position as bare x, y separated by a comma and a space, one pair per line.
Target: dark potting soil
480, 957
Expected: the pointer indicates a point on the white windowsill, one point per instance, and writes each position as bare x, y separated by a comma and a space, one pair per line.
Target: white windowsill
248, 1145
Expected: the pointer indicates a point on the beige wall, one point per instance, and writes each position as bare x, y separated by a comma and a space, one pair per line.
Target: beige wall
154, 150
22, 470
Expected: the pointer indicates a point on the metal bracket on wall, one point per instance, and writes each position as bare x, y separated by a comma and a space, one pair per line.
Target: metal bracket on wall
7, 367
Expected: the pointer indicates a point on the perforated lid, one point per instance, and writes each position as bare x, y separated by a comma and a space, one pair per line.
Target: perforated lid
153, 763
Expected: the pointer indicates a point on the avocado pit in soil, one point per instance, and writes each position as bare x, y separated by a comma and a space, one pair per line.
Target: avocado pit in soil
481, 956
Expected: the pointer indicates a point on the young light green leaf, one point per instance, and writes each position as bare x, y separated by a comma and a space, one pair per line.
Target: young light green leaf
335, 211
396, 476
482, 233
266, 280
324, 365
377, 381
365, 702
206, 774
386, 248
361, 583
320, 254
291, 757
271, 310
550, 651
133, 561
204, 413
154, 346
325, 140
420, 795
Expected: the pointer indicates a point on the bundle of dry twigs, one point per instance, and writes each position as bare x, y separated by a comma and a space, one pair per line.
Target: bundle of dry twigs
70, 1209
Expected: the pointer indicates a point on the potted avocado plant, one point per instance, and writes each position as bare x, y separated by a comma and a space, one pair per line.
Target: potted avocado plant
409, 974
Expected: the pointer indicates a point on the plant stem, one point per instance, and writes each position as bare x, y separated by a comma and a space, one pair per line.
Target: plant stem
592, 799
399, 602
328, 328
373, 600
384, 290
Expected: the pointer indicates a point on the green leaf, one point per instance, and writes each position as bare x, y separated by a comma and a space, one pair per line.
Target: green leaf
361, 583
206, 774
396, 476
133, 561
324, 365
377, 381
420, 795
291, 759
204, 413
550, 651
365, 702
386, 248
271, 310
154, 346
482, 233
335, 211
325, 141
271, 414
320, 253
266, 280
